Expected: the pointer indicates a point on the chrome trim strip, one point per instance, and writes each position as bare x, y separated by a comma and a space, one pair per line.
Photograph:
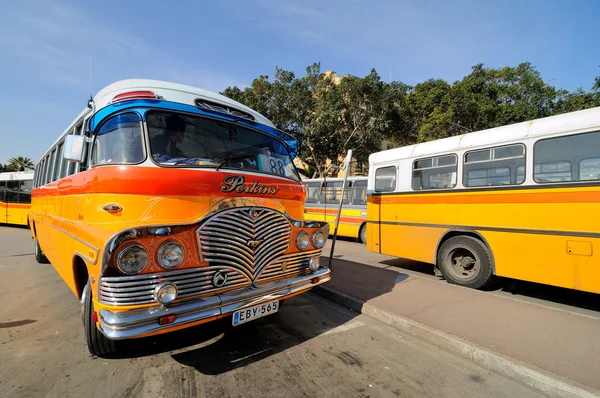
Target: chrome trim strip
90, 260
138, 323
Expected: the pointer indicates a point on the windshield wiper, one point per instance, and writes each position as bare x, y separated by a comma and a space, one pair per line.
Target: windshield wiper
234, 157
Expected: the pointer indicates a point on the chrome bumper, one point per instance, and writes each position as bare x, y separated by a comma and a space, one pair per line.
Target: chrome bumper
138, 323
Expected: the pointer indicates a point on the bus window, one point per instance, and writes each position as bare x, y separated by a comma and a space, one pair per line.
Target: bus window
435, 173
359, 193
332, 192
314, 192
552, 172
385, 179
589, 169
489, 167
12, 191
119, 141
2, 191
25, 191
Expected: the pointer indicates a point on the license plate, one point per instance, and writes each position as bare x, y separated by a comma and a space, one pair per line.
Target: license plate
252, 313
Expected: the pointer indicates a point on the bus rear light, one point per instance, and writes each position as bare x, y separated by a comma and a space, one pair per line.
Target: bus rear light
165, 320
135, 95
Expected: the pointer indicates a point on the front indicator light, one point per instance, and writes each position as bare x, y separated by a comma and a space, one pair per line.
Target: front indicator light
165, 293
132, 259
318, 239
302, 240
170, 255
315, 280
165, 320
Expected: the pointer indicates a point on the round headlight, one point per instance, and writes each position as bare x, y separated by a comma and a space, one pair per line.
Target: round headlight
314, 263
318, 239
165, 293
302, 240
170, 255
132, 259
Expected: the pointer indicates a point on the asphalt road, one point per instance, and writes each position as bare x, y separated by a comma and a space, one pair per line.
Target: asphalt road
311, 347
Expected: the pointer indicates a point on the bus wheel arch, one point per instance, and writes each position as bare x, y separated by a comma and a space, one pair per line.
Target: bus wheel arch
465, 258
81, 275
40, 257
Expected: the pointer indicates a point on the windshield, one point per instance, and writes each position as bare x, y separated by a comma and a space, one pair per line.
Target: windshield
183, 140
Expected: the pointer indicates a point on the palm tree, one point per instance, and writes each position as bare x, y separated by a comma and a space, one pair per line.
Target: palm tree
20, 163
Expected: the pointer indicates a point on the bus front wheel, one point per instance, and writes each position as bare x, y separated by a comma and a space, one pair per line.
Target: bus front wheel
465, 261
362, 235
39, 254
98, 344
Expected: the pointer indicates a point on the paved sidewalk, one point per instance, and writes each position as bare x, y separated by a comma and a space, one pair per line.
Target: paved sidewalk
556, 342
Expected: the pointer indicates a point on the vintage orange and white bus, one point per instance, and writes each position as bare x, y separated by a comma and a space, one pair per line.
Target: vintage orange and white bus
520, 201
15, 197
164, 206
323, 198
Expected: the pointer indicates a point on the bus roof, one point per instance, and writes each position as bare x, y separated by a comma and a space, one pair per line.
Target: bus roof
16, 176
173, 92
568, 122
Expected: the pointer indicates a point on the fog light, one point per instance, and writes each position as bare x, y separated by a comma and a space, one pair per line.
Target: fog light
165, 293
314, 264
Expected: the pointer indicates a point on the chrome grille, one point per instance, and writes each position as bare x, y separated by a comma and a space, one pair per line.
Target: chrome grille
250, 239
139, 289
288, 266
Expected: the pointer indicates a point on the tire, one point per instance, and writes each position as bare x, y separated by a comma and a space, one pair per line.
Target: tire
39, 254
362, 234
465, 261
98, 344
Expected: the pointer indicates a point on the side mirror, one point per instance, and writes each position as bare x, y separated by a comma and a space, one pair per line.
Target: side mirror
74, 145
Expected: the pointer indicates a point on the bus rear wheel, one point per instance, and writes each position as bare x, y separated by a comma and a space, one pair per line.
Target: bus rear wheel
98, 344
465, 261
39, 254
362, 234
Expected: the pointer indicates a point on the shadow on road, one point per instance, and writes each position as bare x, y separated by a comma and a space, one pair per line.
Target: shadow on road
218, 347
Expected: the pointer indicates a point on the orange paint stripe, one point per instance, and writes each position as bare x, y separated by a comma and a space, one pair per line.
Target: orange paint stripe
489, 198
321, 211
15, 205
160, 181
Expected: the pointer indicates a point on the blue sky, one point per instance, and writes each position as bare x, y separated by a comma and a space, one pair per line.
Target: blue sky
45, 47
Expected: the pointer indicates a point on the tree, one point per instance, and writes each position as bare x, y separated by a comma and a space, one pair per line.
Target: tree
20, 163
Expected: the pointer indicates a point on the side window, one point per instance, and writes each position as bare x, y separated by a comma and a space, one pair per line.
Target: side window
58, 161
2, 191
568, 158
50, 162
314, 192
385, 179
495, 166
359, 193
435, 173
119, 141
12, 191
25, 191
332, 192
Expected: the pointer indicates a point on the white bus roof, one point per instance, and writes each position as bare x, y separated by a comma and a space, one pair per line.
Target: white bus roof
16, 176
568, 122
173, 92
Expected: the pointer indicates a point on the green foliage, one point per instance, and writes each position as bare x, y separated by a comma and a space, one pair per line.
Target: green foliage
331, 114
20, 163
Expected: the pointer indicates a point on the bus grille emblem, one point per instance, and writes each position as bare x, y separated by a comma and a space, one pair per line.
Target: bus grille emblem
219, 279
253, 244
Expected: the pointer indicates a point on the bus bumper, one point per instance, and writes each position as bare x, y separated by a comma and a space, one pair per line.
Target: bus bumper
145, 322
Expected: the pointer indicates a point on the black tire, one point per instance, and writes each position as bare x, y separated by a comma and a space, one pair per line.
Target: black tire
39, 254
98, 344
362, 234
465, 261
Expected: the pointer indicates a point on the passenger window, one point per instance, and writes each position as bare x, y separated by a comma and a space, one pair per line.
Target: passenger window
435, 173
567, 158
314, 192
385, 179
59, 161
2, 191
359, 193
119, 141
333, 192
25, 191
495, 166
12, 191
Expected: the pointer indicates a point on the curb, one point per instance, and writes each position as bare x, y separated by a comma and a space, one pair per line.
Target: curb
540, 381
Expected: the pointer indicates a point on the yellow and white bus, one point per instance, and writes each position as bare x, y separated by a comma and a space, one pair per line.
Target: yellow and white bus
15, 197
520, 201
164, 206
323, 199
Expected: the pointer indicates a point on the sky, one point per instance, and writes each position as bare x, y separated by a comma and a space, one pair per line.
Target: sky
46, 47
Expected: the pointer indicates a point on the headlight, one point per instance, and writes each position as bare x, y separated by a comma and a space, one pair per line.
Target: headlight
314, 263
302, 240
170, 255
318, 239
165, 293
132, 259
